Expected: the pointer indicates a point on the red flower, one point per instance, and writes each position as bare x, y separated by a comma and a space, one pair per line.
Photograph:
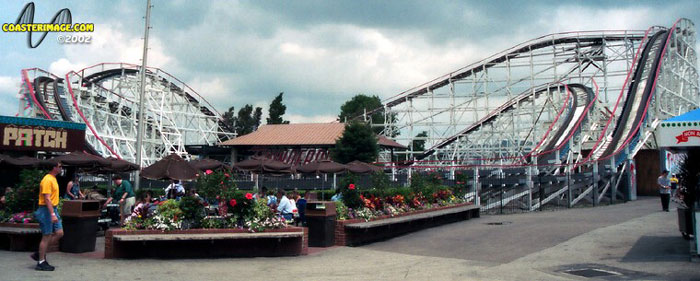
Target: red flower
227, 175
232, 202
208, 172
175, 218
248, 196
351, 186
222, 182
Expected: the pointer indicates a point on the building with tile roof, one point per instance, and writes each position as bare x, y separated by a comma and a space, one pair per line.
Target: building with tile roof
294, 143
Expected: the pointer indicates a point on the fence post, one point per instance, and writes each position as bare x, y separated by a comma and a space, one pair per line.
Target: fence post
528, 181
568, 186
477, 187
595, 184
613, 181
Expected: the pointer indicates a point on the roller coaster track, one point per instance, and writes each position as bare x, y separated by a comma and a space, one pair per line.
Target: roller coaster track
102, 96
582, 152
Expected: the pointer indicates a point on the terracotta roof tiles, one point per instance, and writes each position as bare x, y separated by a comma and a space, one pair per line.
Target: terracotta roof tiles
298, 134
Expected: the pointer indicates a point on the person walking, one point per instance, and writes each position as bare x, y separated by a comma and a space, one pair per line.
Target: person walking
126, 197
48, 217
664, 189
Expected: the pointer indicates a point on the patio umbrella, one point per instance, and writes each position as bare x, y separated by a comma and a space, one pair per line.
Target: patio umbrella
120, 165
359, 167
28, 162
81, 159
321, 167
208, 164
171, 167
263, 165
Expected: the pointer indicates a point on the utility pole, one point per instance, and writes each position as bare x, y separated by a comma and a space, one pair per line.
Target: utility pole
142, 94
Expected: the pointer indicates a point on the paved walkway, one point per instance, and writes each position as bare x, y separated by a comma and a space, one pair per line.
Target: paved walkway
632, 239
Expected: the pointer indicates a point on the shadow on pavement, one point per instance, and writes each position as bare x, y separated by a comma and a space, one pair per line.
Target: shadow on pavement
658, 248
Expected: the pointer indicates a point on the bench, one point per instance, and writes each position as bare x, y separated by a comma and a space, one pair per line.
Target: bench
358, 233
19, 238
205, 236
203, 243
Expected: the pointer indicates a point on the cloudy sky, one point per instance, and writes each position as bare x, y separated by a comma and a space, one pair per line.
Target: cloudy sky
319, 53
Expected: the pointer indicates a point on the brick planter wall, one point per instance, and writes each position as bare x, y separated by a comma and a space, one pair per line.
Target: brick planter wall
261, 247
28, 242
344, 237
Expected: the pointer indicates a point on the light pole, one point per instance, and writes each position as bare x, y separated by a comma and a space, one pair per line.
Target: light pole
142, 94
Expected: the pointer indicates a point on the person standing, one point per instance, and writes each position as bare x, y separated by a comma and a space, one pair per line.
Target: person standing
73, 189
664, 190
126, 197
48, 217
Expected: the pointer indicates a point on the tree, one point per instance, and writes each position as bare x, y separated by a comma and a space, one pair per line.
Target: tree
230, 117
359, 104
277, 109
247, 121
418, 143
358, 142
257, 116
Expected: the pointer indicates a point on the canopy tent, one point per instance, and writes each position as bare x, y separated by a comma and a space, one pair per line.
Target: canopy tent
171, 167
681, 131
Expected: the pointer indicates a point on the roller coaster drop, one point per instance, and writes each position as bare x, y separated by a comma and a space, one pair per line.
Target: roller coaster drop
104, 97
569, 110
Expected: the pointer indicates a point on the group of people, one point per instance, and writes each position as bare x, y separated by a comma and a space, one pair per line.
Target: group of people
290, 206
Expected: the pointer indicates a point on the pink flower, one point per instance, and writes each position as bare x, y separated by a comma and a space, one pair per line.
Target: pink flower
351, 186
208, 172
248, 196
232, 202
227, 175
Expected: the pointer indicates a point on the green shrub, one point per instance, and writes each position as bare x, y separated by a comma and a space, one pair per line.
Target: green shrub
351, 198
244, 204
381, 181
341, 210
211, 185
213, 222
25, 195
192, 210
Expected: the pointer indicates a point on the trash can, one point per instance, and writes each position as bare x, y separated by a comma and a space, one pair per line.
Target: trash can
79, 225
320, 218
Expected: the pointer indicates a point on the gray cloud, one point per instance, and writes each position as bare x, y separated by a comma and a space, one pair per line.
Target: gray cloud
321, 53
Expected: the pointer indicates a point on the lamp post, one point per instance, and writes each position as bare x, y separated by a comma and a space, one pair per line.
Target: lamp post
142, 94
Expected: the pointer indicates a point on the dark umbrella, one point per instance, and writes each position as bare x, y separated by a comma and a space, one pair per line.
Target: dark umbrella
28, 162
208, 164
359, 167
171, 167
263, 165
115, 166
321, 167
81, 159
121, 165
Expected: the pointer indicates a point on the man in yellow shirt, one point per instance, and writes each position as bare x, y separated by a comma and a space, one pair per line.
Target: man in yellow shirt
48, 217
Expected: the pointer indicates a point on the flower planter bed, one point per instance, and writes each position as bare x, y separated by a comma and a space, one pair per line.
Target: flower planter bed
205, 243
357, 232
21, 237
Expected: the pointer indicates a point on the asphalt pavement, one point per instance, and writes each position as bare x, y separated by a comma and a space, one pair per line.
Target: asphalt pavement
629, 241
